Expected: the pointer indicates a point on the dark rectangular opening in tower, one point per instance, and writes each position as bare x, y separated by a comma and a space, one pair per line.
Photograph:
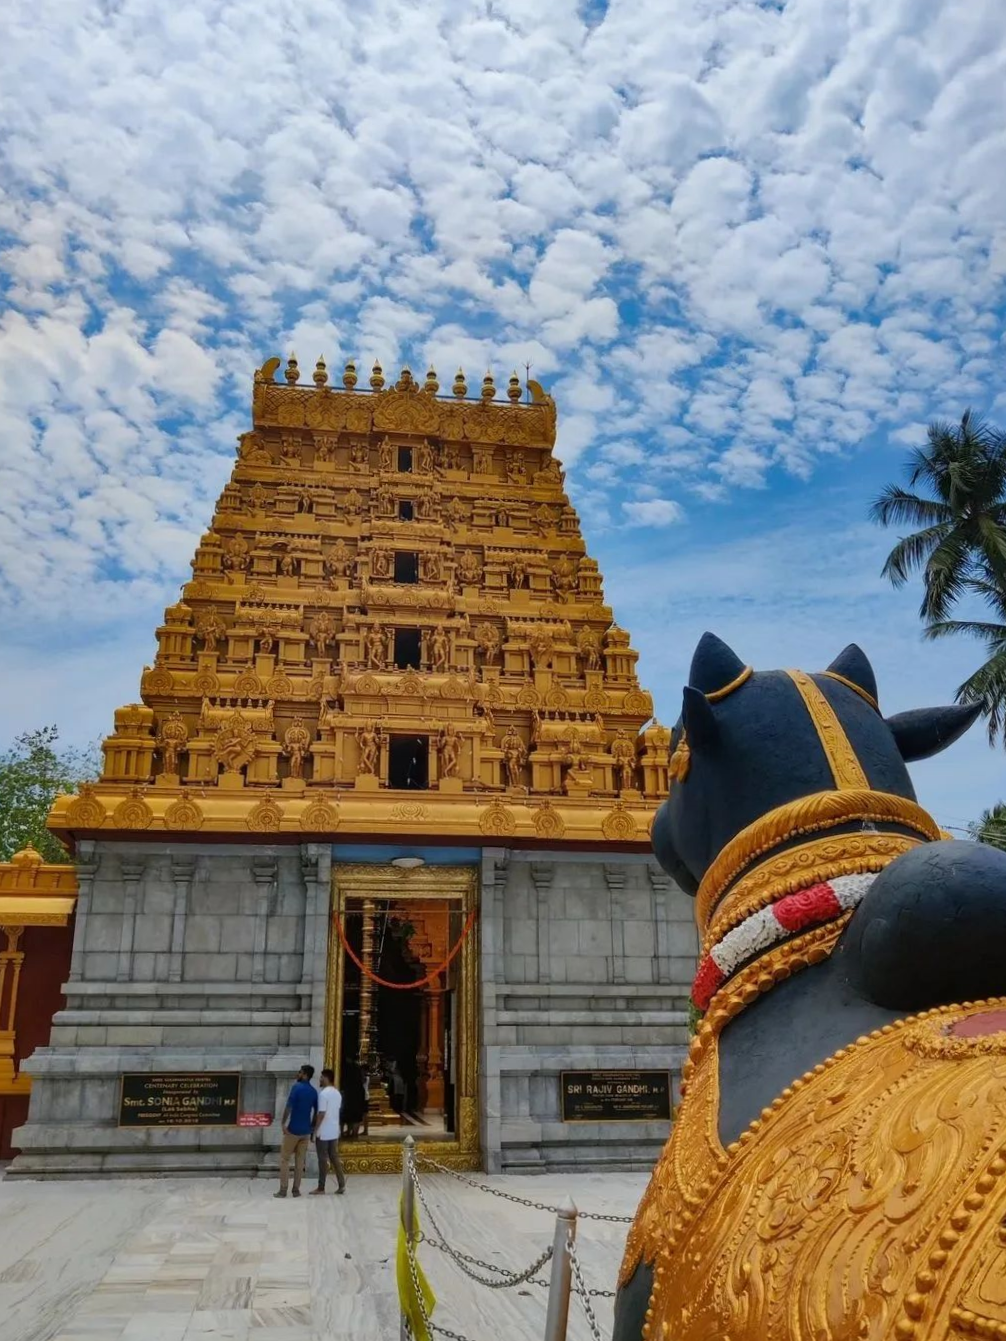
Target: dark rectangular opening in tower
405, 511
405, 460
407, 648
406, 567
409, 762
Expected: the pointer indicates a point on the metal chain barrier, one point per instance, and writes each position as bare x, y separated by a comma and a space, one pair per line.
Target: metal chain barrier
509, 1278
581, 1289
562, 1283
520, 1201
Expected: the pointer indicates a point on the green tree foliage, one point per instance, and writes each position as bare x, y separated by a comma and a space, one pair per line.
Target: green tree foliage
33, 771
957, 501
991, 827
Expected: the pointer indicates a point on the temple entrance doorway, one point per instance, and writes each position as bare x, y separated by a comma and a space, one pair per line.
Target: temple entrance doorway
403, 1026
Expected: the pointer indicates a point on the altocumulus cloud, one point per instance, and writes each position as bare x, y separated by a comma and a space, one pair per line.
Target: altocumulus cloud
732, 239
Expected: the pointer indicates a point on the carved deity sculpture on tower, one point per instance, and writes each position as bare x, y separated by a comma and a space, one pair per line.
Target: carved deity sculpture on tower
368, 738
449, 750
564, 578
380, 564
385, 456
431, 567
455, 512
623, 752
518, 573
322, 631
514, 756
172, 739
359, 456
589, 648
210, 631
516, 471
579, 771
235, 557
424, 458
295, 746
487, 640
353, 503
482, 461
470, 567
339, 560
440, 649
267, 637
234, 745
449, 456
287, 564
374, 647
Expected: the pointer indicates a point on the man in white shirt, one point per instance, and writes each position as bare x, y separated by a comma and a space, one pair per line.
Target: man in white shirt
326, 1133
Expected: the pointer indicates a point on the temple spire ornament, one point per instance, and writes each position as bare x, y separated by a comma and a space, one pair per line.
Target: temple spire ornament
401, 559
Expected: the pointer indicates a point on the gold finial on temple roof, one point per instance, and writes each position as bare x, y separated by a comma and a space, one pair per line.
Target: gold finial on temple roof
460, 387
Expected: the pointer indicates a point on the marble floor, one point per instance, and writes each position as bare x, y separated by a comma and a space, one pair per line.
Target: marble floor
163, 1260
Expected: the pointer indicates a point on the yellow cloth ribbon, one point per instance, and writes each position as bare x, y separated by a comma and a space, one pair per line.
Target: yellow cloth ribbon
408, 1299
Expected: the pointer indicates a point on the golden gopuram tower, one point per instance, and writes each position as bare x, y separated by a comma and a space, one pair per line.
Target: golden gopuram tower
385, 806
393, 598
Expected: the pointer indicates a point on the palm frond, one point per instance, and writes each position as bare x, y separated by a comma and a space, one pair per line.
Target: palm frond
987, 685
912, 553
969, 628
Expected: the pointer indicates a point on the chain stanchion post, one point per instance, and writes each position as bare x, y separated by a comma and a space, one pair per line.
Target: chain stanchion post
408, 1215
557, 1317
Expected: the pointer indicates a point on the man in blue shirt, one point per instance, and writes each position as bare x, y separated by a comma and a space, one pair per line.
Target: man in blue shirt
298, 1124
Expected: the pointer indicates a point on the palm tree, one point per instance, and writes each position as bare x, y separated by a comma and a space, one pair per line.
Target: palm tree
960, 546
991, 827
962, 524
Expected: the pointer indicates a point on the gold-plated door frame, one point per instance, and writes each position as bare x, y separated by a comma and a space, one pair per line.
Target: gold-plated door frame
458, 884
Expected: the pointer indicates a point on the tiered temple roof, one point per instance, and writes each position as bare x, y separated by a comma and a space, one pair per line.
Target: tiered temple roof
392, 628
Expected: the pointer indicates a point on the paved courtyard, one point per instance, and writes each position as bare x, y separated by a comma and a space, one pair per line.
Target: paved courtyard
175, 1261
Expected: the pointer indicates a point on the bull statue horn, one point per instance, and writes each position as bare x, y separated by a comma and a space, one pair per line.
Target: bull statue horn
714, 665
853, 664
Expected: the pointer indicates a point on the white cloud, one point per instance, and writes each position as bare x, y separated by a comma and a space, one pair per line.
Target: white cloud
653, 511
734, 239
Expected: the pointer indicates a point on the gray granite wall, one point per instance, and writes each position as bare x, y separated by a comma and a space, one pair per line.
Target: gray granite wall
214, 958
586, 965
186, 958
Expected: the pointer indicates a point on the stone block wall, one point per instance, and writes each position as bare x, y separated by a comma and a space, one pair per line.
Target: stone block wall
214, 957
587, 964
185, 958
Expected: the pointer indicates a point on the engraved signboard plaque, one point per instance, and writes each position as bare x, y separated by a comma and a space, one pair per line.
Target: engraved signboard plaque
179, 1099
615, 1096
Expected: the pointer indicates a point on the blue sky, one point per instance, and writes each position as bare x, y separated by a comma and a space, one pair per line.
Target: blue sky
750, 248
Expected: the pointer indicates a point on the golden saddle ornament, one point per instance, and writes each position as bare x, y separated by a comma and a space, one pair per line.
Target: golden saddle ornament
867, 1203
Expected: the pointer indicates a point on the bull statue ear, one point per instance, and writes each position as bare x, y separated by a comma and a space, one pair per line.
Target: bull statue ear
853, 664
698, 720
714, 665
925, 731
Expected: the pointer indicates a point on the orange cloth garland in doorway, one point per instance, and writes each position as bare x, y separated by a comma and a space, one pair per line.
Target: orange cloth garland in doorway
406, 986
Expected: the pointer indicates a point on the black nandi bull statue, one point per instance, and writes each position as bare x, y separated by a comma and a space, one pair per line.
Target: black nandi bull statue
837, 1167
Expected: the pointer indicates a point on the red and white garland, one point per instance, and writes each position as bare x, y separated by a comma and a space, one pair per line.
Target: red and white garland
793, 913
